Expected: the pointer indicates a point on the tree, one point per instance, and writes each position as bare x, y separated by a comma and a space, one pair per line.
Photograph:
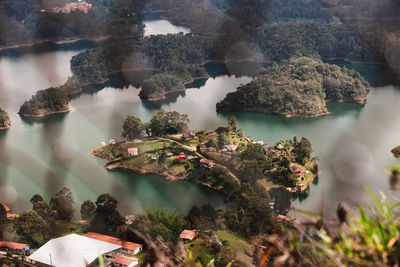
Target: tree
222, 140
35, 198
211, 143
3, 213
44, 211
63, 204
87, 209
107, 218
163, 123
303, 151
132, 128
31, 228
232, 124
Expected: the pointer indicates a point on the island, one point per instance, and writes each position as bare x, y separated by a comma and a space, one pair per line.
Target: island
396, 151
45, 102
299, 87
5, 121
223, 159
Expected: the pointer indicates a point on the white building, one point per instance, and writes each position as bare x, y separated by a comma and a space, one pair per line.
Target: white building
73, 251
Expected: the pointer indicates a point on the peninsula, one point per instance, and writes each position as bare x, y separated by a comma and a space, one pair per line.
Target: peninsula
299, 87
4, 120
223, 159
45, 102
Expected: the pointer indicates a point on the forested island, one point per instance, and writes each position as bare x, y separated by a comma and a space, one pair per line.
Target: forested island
4, 120
300, 87
223, 159
45, 102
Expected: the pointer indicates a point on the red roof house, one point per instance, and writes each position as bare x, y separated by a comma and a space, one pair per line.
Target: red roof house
13, 245
188, 234
125, 261
129, 247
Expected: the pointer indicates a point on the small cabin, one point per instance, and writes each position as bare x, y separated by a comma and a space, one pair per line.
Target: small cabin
125, 261
112, 141
133, 151
188, 234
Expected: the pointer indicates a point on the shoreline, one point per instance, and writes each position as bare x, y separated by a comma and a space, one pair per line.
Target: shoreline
279, 114
45, 114
152, 99
347, 60
61, 42
139, 170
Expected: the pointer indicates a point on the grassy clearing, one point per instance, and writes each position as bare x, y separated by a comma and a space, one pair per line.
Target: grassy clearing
235, 241
199, 250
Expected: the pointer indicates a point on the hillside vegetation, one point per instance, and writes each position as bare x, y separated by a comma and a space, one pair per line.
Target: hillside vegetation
46, 101
4, 119
299, 86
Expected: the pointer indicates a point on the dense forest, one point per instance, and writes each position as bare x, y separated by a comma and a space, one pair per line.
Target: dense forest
299, 86
4, 119
29, 21
45, 101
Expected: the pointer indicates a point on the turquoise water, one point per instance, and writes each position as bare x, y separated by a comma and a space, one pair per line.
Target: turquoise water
42, 155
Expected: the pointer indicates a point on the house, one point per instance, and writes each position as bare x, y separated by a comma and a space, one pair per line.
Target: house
73, 251
268, 149
206, 163
188, 234
170, 154
125, 261
127, 246
133, 151
298, 171
112, 141
260, 142
14, 247
211, 132
181, 157
280, 146
248, 139
189, 134
231, 148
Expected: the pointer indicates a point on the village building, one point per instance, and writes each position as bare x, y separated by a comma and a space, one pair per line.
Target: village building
8, 209
127, 246
170, 154
125, 261
133, 151
297, 171
268, 149
188, 234
112, 141
280, 146
74, 251
189, 134
231, 148
206, 163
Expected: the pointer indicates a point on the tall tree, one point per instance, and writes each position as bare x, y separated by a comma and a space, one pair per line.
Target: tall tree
107, 218
132, 128
44, 211
35, 198
222, 140
232, 124
3, 213
63, 204
87, 209
31, 228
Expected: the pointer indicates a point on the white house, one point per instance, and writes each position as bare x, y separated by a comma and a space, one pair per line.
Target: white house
73, 251
133, 151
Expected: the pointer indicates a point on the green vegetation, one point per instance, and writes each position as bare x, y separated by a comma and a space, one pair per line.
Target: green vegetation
22, 22
133, 128
44, 102
159, 85
4, 119
300, 86
396, 151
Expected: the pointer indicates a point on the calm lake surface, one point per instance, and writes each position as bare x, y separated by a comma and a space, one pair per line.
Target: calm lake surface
42, 155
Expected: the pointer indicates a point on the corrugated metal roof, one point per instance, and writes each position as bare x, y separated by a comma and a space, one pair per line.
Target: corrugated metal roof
71, 251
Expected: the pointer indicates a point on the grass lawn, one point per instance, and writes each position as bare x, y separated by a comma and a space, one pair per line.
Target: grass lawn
176, 169
199, 251
235, 241
152, 145
112, 151
66, 228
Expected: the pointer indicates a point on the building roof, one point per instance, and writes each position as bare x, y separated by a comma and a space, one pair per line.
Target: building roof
124, 260
133, 149
231, 147
13, 245
188, 234
206, 161
113, 240
71, 251
6, 207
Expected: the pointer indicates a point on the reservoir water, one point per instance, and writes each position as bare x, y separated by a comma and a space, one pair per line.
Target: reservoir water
42, 155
